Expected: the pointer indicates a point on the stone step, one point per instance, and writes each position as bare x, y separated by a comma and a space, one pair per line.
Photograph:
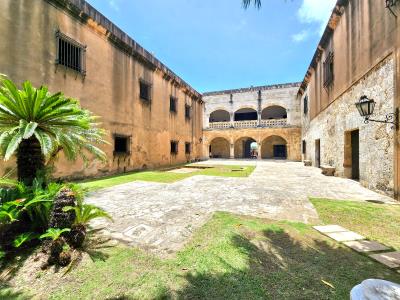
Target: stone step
366, 246
330, 228
345, 236
389, 259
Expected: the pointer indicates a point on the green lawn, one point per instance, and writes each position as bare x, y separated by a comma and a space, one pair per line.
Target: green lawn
167, 177
231, 257
380, 222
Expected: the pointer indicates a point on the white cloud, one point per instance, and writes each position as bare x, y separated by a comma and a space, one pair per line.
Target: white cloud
316, 11
114, 4
301, 36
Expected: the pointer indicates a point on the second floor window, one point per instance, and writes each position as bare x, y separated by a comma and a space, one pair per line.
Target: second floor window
173, 104
328, 70
145, 90
174, 147
70, 53
305, 104
187, 112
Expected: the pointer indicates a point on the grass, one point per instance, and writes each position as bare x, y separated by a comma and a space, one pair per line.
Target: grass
230, 257
380, 222
167, 177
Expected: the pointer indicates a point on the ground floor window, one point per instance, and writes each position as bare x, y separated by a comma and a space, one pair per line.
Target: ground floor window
188, 148
121, 144
304, 146
174, 147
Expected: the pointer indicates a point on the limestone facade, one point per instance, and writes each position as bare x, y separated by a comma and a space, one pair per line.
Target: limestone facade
109, 85
333, 126
266, 115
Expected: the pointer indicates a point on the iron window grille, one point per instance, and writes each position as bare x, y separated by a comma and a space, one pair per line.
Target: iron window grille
145, 90
391, 3
174, 147
328, 70
70, 53
188, 148
188, 112
121, 144
305, 105
173, 104
304, 147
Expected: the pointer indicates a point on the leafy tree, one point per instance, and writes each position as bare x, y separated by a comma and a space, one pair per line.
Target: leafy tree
36, 125
247, 3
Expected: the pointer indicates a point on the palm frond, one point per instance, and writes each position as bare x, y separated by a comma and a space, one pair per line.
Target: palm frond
247, 3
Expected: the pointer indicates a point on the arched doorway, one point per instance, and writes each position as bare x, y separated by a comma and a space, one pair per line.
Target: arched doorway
243, 147
274, 147
246, 114
219, 116
274, 112
219, 148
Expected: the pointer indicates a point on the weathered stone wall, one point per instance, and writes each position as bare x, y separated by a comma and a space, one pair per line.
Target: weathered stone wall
283, 95
332, 125
110, 88
292, 136
220, 148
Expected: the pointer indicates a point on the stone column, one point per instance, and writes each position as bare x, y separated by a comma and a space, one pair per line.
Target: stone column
232, 151
259, 151
232, 119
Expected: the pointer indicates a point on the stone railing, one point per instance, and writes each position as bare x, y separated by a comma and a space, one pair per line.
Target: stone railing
220, 125
245, 124
274, 123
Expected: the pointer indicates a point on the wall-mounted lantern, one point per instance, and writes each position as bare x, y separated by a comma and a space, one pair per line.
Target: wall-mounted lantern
366, 106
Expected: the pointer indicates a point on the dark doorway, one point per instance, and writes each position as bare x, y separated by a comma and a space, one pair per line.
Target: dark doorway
318, 153
280, 151
247, 148
355, 155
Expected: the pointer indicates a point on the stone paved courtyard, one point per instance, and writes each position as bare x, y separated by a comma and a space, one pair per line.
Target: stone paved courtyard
161, 217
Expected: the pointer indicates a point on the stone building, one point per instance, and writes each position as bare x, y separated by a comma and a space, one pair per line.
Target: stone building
267, 115
154, 118
358, 55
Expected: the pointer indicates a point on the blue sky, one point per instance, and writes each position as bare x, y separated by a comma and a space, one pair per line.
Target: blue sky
216, 44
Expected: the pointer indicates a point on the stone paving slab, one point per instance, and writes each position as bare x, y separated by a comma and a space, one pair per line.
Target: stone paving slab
184, 170
389, 259
366, 246
330, 228
345, 236
160, 217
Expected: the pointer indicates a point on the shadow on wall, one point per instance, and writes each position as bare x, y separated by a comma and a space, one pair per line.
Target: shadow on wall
281, 267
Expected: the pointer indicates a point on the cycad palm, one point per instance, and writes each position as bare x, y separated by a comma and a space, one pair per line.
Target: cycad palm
36, 125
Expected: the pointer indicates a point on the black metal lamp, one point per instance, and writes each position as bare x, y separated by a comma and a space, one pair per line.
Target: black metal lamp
366, 106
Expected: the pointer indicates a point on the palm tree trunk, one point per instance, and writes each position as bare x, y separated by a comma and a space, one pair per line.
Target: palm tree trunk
30, 160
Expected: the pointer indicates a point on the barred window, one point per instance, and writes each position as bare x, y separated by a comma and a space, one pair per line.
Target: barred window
172, 104
188, 111
328, 70
188, 148
305, 104
70, 53
304, 147
145, 90
174, 147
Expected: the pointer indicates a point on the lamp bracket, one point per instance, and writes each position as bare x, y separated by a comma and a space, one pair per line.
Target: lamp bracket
392, 118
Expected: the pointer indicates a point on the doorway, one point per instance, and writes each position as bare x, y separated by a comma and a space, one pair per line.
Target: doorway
280, 151
355, 155
318, 153
247, 148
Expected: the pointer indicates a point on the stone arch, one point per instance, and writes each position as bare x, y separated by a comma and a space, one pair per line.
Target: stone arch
219, 147
242, 147
245, 114
220, 115
275, 147
274, 112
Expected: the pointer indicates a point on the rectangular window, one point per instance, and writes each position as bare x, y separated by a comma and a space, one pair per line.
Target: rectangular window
188, 148
328, 70
145, 90
174, 147
70, 53
188, 110
304, 148
305, 104
172, 104
121, 144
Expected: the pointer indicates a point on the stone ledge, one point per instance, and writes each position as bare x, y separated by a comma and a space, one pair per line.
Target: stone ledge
328, 170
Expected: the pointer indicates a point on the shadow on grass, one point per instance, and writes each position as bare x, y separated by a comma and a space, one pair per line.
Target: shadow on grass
282, 267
